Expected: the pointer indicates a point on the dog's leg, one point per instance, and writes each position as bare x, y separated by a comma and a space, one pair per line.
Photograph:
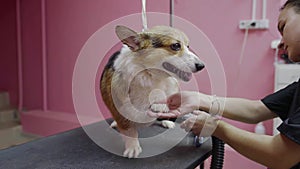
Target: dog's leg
168, 124
132, 145
114, 124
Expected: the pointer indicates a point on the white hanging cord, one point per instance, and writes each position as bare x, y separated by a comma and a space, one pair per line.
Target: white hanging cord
144, 16
241, 59
171, 12
243, 47
264, 11
253, 9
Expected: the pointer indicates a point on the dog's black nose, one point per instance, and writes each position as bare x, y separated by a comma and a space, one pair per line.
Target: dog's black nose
199, 66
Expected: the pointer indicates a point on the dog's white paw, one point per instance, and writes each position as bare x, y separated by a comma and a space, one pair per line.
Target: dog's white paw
168, 124
132, 149
159, 107
113, 124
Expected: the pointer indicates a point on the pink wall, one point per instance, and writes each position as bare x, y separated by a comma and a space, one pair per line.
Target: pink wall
32, 53
71, 22
219, 20
8, 46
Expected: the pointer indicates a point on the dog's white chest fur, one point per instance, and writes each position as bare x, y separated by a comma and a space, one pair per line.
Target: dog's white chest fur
137, 88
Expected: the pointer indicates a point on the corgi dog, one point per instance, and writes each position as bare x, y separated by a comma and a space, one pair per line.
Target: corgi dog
146, 70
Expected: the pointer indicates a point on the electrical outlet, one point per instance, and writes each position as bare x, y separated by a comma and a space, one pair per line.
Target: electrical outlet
254, 24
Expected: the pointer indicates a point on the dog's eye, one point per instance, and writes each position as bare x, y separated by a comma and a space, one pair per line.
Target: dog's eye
176, 46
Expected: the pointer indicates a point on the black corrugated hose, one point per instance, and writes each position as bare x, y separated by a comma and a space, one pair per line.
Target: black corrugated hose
217, 153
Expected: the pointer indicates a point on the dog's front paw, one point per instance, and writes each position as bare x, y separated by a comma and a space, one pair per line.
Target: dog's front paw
168, 124
114, 124
159, 108
132, 148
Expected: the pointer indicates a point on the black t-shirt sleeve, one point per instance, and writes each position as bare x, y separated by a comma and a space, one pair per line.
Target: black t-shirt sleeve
291, 127
285, 103
280, 101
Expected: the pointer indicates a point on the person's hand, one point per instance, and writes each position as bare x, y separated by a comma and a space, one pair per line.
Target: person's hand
161, 110
201, 124
179, 104
184, 102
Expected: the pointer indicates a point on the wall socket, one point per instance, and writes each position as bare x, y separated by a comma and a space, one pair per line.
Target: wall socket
254, 24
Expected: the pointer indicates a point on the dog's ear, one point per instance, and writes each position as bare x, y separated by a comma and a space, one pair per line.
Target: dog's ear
128, 37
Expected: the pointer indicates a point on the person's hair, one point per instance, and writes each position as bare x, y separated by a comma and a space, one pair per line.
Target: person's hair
292, 3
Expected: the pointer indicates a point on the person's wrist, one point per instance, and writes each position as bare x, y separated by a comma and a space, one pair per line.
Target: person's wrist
219, 127
205, 102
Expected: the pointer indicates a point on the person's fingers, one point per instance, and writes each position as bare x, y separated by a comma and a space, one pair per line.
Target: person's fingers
196, 112
166, 115
175, 112
187, 108
170, 114
201, 115
183, 124
188, 124
199, 112
152, 114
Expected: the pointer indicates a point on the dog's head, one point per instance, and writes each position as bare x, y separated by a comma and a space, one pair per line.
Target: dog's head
162, 47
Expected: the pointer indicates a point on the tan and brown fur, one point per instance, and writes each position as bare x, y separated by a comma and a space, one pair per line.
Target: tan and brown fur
142, 73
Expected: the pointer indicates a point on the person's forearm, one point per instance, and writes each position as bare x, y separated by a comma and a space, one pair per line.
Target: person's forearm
244, 110
260, 148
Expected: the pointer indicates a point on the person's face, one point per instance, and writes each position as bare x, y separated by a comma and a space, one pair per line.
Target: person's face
289, 27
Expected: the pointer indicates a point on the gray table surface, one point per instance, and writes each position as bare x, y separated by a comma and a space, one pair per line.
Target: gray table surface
74, 149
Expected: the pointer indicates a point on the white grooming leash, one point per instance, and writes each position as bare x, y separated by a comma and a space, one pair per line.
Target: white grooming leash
144, 16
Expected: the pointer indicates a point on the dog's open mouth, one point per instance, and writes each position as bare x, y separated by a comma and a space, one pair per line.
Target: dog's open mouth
185, 76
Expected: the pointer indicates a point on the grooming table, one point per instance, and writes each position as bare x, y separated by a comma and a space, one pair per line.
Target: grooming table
74, 149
